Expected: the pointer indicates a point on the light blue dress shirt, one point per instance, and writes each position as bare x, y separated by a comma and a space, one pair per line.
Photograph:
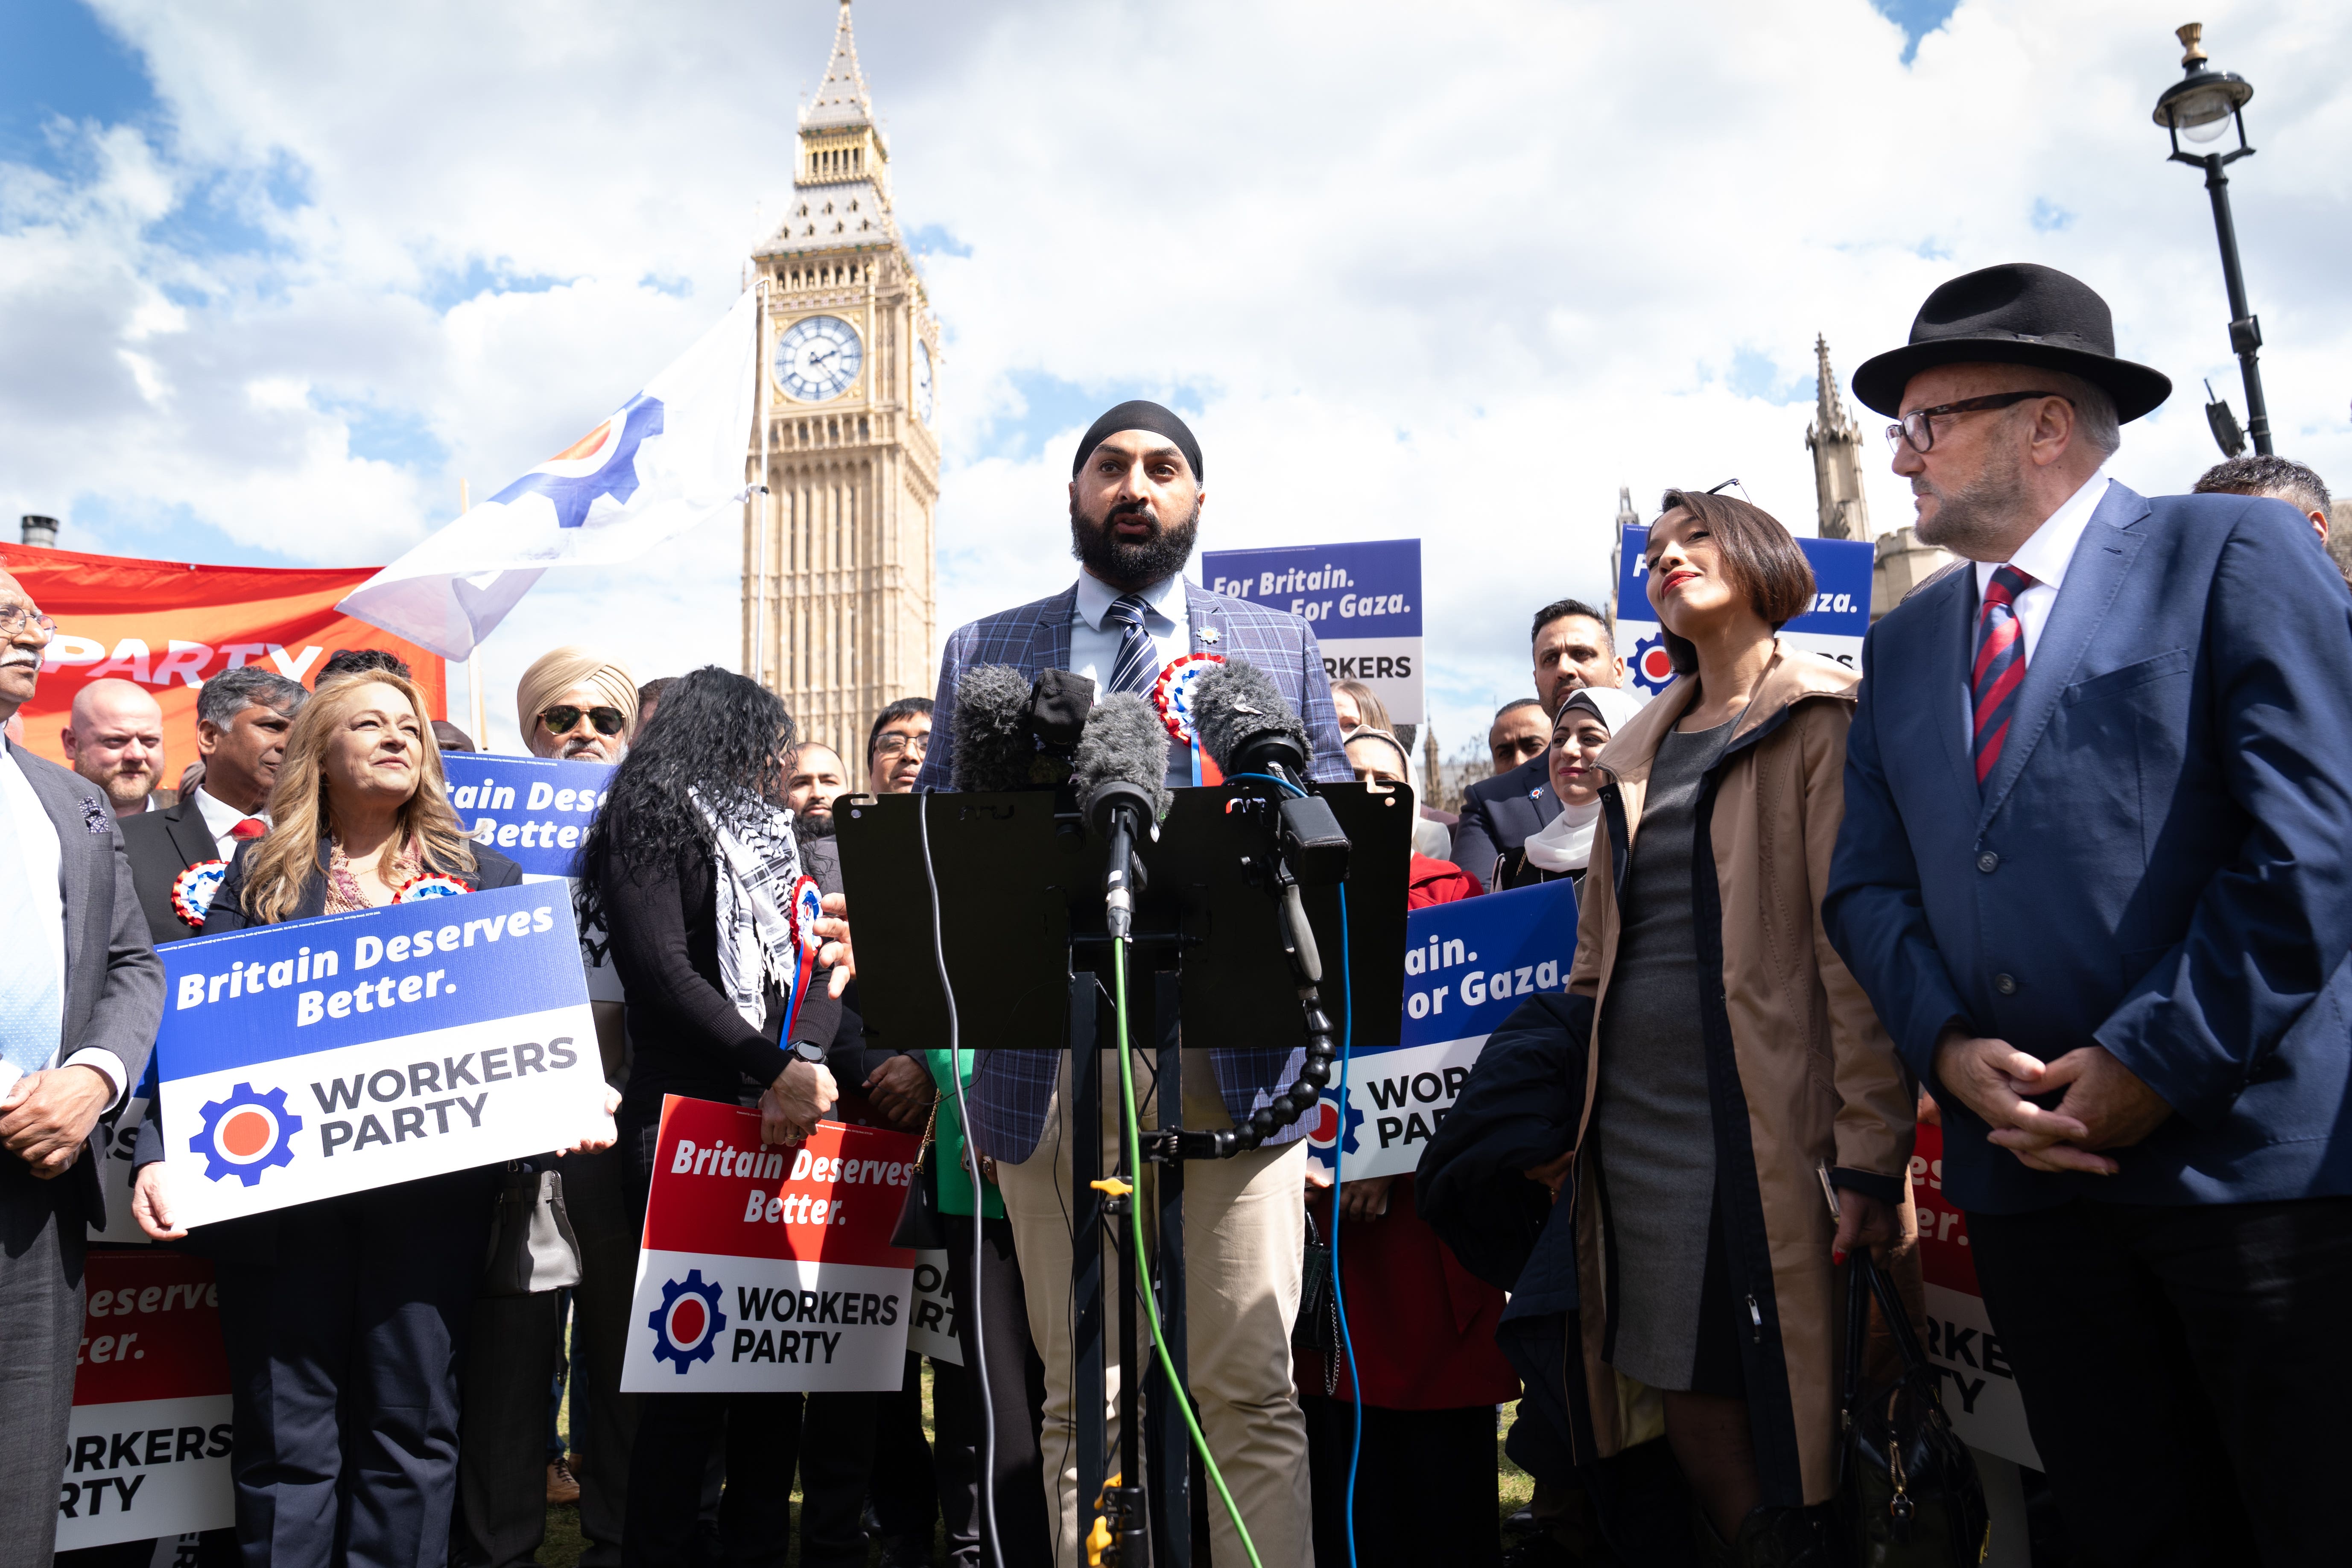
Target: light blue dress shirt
1094, 638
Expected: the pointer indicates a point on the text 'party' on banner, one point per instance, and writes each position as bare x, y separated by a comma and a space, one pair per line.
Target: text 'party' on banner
147, 1447
767, 1268
1361, 600
1468, 966
315, 1057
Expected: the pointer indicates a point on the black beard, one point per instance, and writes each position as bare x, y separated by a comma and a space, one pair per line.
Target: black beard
814, 824
1144, 562
1974, 520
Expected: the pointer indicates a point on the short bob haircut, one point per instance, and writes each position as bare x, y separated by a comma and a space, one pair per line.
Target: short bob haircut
1758, 555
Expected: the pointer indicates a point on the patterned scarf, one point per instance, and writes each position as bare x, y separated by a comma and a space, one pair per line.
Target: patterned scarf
758, 865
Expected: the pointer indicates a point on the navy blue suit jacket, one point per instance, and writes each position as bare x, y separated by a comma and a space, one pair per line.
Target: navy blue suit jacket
1503, 813
2160, 864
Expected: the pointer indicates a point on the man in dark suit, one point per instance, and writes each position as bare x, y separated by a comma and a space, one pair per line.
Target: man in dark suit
242, 718
2095, 872
1136, 494
1572, 649
80, 994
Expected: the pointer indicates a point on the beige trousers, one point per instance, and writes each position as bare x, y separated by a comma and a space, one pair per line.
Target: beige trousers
1244, 1230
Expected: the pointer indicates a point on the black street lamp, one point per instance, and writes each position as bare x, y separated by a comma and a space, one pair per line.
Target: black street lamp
2200, 106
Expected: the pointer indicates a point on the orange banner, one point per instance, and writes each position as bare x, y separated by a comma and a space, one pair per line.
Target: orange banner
169, 625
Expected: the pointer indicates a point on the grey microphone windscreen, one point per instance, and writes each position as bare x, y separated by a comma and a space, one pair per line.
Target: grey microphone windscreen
994, 747
1125, 743
1234, 702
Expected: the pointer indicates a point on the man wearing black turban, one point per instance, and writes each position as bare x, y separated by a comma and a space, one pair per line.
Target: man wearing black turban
1135, 509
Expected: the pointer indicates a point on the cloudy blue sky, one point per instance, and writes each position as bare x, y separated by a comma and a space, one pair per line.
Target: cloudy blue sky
275, 277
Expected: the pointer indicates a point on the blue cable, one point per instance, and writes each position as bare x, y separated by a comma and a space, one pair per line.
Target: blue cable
1339, 1173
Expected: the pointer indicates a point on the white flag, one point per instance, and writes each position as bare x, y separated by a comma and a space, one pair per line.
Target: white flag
667, 459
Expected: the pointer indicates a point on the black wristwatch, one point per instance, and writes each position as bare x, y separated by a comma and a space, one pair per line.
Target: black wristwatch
810, 1052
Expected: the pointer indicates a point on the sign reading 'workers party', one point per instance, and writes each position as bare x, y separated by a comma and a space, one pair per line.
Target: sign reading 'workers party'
1364, 602
302, 1060
535, 811
768, 1267
1833, 627
1468, 966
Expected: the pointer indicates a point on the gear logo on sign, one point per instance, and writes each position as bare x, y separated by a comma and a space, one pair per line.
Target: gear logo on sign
245, 1134
686, 1324
597, 465
1324, 1131
1653, 667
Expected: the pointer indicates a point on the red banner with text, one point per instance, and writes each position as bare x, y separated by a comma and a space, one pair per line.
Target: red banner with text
169, 626
1980, 1385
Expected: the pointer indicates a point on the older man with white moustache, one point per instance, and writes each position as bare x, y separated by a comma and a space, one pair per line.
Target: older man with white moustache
114, 738
81, 993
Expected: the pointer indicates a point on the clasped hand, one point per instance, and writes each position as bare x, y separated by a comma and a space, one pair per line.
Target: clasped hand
2106, 1105
791, 1107
45, 1117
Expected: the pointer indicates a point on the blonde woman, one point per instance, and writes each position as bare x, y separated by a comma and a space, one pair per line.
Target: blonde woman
345, 1318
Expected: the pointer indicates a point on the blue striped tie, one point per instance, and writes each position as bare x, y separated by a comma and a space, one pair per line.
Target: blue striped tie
32, 1010
1139, 661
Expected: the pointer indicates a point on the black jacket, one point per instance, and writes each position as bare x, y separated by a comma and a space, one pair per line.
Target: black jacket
1503, 813
161, 845
686, 1035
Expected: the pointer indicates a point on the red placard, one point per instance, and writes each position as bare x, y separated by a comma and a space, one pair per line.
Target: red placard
834, 1199
1943, 1229
169, 625
151, 1328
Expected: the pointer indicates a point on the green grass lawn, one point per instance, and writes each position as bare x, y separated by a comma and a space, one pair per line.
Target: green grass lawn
564, 1544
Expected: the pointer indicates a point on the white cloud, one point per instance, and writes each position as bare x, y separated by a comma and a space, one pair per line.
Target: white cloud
1453, 272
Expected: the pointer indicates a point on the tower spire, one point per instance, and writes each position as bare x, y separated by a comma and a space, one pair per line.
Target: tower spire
1835, 440
841, 101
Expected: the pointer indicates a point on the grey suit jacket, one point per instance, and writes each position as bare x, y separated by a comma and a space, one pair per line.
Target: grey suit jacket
114, 982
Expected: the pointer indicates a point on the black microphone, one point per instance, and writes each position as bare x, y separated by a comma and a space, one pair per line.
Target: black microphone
1245, 723
1121, 772
1012, 733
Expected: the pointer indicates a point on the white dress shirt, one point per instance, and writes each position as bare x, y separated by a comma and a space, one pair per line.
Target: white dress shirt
45, 894
1094, 640
220, 820
2045, 558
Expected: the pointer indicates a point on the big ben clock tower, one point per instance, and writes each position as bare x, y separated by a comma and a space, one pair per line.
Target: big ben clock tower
839, 587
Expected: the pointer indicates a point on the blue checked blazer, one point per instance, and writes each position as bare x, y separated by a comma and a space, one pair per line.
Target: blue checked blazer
1012, 1090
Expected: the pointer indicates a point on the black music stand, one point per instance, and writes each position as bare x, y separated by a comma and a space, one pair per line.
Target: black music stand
1020, 923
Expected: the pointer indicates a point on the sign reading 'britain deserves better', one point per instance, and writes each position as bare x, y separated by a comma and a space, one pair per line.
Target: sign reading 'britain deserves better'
535, 811
768, 1267
1468, 966
302, 1060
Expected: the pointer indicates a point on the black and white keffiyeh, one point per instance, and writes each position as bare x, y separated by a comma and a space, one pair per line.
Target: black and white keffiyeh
758, 866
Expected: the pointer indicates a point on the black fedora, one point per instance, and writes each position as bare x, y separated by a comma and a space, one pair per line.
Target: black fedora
2016, 314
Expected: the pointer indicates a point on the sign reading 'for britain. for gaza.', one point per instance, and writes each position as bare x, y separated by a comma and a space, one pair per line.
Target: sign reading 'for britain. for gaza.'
769, 1269
302, 1060
1361, 600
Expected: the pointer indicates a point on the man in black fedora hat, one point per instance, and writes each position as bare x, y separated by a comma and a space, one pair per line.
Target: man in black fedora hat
2095, 872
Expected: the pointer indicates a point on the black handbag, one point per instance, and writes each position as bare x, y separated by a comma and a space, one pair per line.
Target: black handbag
1908, 1496
920, 1225
1317, 1327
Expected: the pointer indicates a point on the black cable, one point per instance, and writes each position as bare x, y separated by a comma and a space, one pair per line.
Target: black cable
979, 1199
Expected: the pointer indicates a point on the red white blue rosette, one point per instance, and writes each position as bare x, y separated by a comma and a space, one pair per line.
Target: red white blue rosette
193, 890
429, 885
1173, 692
806, 908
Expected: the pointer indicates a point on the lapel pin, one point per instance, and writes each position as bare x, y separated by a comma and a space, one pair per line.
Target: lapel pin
1208, 634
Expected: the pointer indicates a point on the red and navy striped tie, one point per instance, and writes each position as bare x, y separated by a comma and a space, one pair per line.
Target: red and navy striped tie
2000, 666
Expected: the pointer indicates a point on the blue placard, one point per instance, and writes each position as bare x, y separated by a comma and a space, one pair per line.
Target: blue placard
1371, 589
535, 811
303, 986
1468, 965
1840, 585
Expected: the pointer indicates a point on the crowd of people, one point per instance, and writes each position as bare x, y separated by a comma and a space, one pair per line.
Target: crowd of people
2064, 868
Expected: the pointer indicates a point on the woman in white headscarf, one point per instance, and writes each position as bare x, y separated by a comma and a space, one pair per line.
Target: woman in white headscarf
1587, 720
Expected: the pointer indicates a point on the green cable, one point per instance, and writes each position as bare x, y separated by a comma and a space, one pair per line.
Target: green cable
1135, 1219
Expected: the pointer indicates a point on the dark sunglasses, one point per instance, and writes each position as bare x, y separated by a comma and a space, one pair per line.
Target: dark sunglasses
560, 719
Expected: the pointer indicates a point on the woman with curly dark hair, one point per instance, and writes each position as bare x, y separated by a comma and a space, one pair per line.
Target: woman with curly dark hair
690, 865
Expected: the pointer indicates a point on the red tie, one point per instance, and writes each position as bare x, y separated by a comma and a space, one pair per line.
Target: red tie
2000, 666
251, 828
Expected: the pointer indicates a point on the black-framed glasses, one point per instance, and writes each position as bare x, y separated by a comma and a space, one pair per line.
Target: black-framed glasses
1732, 485
1917, 429
563, 718
896, 744
15, 618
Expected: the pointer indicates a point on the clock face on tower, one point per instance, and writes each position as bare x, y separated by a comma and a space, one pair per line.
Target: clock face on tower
818, 358
923, 380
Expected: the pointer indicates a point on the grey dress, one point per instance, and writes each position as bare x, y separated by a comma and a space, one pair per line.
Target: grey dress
1652, 1125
